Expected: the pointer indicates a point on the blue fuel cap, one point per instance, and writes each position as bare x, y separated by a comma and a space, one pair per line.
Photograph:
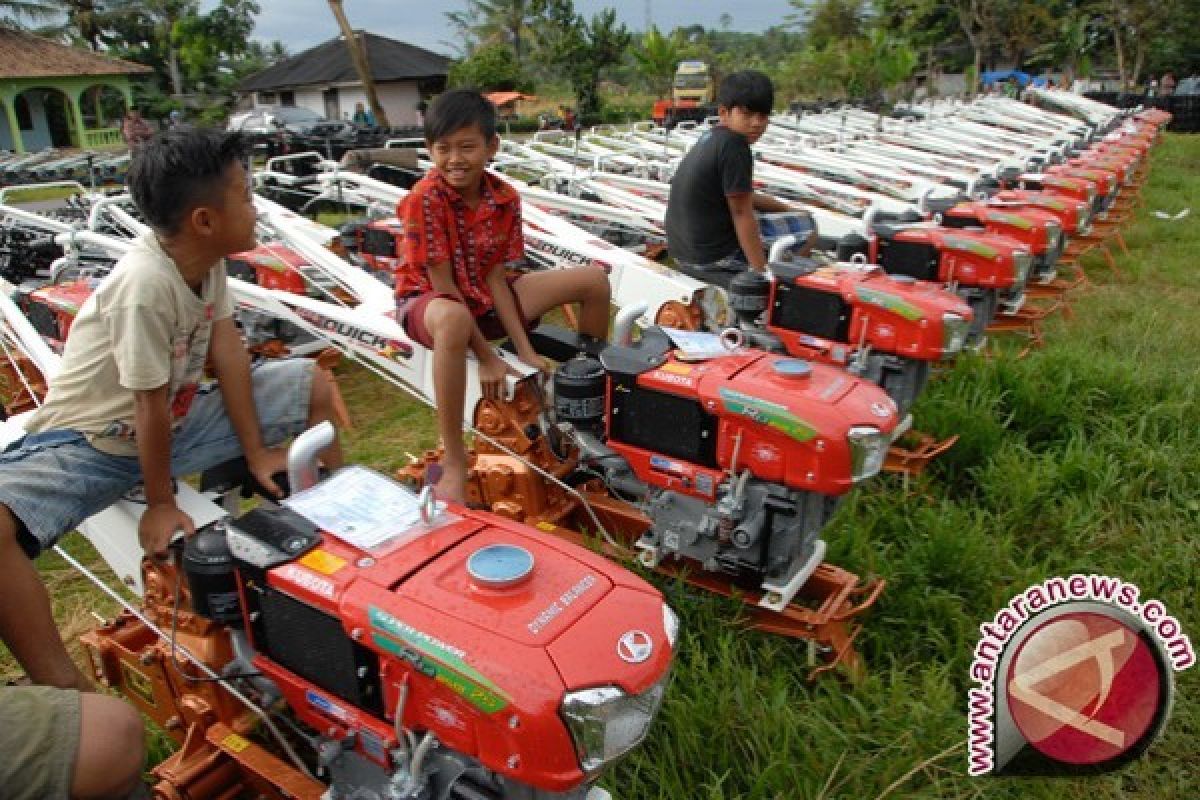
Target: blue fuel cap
498, 566
793, 368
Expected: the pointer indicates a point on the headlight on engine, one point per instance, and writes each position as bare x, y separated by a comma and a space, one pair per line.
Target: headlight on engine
1022, 263
1082, 218
1053, 236
670, 624
606, 723
868, 448
954, 334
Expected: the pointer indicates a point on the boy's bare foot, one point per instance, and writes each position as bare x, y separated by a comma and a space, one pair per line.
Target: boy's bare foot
451, 483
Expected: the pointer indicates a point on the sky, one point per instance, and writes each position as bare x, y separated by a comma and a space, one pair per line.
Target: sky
300, 24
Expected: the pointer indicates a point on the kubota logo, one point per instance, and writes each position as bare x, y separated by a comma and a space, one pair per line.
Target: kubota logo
634, 647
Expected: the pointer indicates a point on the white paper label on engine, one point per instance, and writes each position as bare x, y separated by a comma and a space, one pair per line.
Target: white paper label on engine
364, 508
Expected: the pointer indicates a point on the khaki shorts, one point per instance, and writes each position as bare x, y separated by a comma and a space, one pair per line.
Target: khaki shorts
39, 742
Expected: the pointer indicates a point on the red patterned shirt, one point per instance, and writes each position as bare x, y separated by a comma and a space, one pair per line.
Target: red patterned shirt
439, 228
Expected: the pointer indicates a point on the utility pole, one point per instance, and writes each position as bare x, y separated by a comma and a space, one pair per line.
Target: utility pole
361, 65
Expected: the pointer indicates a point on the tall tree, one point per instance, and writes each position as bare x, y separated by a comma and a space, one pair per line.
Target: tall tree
978, 21
657, 57
825, 21
507, 22
582, 49
1135, 25
361, 65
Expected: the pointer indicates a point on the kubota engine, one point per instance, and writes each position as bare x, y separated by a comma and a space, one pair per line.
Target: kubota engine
986, 270
463, 657
738, 461
888, 329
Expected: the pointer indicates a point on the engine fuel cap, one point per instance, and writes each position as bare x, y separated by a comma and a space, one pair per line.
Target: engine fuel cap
499, 566
793, 368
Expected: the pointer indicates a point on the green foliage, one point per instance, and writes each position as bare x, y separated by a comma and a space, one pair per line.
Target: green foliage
861, 68
491, 67
828, 21
582, 50
657, 57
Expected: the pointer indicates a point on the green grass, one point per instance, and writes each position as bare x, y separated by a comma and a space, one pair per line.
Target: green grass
1082, 457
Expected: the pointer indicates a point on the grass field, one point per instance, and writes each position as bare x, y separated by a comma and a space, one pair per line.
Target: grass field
1082, 457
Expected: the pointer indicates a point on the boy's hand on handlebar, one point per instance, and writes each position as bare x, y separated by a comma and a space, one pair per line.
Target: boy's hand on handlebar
530, 357
159, 524
265, 464
492, 372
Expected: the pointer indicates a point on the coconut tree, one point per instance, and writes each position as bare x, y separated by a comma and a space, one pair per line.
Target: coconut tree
656, 58
361, 65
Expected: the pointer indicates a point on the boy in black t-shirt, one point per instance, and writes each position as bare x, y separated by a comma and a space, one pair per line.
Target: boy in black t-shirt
711, 221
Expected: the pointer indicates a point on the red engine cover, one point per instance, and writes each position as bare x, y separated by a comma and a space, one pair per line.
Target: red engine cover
486, 668
63, 300
792, 430
275, 267
969, 258
887, 314
1068, 211
1025, 225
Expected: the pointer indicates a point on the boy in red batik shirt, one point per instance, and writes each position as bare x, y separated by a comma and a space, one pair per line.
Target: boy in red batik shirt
462, 227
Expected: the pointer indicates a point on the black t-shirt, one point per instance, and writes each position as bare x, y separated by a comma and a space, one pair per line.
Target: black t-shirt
699, 226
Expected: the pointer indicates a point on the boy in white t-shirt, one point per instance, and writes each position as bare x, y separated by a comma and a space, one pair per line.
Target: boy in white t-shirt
130, 404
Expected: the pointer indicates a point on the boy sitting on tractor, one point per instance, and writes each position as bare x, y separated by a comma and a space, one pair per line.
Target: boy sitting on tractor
711, 223
462, 233
130, 405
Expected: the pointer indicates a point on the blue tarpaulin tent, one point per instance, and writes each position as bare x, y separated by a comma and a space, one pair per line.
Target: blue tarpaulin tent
1023, 79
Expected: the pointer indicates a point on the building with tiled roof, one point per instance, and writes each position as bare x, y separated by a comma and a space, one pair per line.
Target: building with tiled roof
323, 79
60, 96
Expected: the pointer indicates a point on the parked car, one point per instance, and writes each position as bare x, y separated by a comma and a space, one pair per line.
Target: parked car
270, 119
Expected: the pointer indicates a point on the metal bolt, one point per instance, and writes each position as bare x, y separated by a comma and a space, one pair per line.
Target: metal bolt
356, 634
514, 722
514, 761
364, 562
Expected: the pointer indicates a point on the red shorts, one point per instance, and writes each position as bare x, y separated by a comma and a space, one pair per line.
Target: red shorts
411, 313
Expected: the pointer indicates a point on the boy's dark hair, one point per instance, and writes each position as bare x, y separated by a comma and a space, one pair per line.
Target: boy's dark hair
178, 170
750, 89
457, 109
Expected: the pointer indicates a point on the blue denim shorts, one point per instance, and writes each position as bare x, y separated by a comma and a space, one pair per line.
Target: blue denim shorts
54, 480
771, 227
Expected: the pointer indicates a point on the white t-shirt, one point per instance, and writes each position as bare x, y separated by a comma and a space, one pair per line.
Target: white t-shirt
142, 328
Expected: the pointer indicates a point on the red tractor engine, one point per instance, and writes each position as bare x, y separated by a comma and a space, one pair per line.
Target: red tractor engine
1065, 186
1125, 164
464, 656
1075, 216
272, 267
377, 244
737, 461
1106, 181
1038, 231
51, 308
888, 329
988, 271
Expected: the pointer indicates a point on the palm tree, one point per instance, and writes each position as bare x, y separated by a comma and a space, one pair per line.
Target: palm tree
656, 60
505, 21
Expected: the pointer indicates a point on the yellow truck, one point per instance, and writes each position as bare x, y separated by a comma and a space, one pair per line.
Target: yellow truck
693, 95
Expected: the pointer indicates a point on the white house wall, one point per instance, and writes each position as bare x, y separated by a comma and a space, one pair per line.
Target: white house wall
399, 100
